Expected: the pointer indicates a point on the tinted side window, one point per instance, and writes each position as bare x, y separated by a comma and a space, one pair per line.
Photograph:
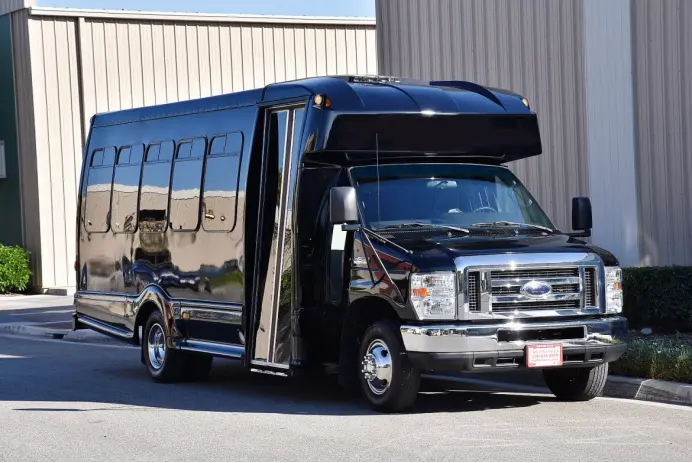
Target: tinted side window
98, 190
126, 189
153, 194
221, 182
187, 182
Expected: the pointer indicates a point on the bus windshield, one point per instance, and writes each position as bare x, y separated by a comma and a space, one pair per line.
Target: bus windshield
458, 195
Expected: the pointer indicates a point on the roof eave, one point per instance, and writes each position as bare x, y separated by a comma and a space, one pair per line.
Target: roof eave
199, 17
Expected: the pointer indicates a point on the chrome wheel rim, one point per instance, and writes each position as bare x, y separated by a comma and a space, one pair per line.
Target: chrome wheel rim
156, 346
377, 367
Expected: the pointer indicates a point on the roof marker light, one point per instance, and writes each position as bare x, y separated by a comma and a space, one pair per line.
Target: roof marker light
526, 102
322, 101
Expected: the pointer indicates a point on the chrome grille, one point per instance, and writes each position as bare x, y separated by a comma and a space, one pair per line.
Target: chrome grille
473, 290
507, 295
522, 285
536, 305
514, 289
536, 273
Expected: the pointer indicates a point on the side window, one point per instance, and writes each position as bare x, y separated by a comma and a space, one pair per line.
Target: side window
221, 182
128, 168
98, 190
186, 185
153, 193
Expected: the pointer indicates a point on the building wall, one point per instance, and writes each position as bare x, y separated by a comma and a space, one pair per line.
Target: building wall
8, 6
97, 62
10, 199
662, 55
532, 47
610, 126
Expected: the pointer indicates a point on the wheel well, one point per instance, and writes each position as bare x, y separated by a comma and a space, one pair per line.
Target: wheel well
366, 311
359, 316
142, 316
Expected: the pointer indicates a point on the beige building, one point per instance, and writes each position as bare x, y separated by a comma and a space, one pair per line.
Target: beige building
611, 81
70, 64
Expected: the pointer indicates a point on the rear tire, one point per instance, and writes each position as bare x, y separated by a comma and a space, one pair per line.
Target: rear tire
165, 365
576, 384
388, 381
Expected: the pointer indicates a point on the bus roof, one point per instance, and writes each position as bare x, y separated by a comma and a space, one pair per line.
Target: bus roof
346, 94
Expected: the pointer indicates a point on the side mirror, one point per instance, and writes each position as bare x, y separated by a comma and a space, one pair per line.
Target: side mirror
582, 219
343, 207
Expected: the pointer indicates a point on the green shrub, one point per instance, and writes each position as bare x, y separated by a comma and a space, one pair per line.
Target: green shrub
14, 269
659, 298
669, 359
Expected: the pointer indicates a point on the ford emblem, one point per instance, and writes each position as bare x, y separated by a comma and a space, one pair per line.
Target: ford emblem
536, 289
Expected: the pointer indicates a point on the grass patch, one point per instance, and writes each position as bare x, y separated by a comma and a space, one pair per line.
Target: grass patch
667, 358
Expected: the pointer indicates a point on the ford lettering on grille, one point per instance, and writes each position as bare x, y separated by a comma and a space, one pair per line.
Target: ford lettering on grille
536, 289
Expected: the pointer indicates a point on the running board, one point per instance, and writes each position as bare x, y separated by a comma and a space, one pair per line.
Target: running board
233, 351
103, 328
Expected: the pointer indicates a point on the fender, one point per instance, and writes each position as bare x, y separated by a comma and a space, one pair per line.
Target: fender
151, 295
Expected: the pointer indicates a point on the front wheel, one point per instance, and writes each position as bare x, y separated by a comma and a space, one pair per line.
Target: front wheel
576, 384
388, 381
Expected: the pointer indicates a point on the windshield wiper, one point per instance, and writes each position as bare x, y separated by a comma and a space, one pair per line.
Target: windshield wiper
424, 225
505, 223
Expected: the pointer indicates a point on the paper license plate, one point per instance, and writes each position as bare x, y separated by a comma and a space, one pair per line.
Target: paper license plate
544, 355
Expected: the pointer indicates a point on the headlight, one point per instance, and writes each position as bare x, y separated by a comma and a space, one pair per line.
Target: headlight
613, 279
434, 295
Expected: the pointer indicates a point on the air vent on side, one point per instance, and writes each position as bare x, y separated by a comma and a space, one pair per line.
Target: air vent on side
590, 287
474, 291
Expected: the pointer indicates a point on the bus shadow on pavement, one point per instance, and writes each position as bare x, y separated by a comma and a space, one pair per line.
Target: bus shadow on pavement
120, 382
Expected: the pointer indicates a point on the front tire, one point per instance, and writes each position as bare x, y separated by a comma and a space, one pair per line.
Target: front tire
576, 384
388, 381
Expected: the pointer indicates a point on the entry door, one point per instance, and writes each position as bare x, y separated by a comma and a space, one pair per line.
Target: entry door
272, 346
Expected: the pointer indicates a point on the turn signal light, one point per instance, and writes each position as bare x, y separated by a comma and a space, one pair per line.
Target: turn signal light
419, 292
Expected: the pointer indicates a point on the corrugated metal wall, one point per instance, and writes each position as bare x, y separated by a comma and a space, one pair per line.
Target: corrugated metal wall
610, 124
128, 63
532, 47
662, 52
8, 6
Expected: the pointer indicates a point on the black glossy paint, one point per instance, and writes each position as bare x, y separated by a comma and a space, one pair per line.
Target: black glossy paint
186, 229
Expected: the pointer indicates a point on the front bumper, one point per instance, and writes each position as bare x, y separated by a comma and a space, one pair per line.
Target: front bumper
474, 347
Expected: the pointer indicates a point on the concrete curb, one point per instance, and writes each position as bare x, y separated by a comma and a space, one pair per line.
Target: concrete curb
65, 334
650, 390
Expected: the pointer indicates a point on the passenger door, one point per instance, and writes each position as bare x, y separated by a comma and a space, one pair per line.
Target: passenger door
274, 288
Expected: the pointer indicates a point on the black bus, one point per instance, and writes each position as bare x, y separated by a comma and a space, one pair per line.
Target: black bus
362, 225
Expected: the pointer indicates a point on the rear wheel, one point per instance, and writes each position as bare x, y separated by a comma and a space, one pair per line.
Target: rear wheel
576, 384
166, 364
388, 381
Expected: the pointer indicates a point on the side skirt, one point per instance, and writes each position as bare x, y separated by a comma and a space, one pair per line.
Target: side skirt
233, 351
100, 327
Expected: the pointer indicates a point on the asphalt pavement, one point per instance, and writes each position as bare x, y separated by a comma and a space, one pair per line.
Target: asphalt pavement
62, 400
39, 310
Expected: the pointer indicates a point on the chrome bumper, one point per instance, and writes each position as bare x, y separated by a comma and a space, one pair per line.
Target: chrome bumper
467, 338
